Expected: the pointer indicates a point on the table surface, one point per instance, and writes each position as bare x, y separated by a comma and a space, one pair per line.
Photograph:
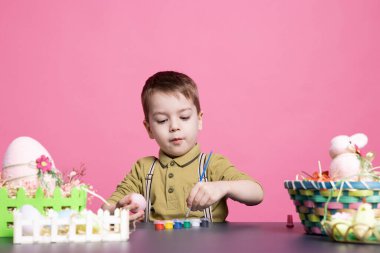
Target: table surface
219, 237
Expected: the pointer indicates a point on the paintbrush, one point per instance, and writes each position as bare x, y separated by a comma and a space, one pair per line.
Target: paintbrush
200, 178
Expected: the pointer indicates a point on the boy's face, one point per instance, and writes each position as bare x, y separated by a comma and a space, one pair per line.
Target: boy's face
173, 122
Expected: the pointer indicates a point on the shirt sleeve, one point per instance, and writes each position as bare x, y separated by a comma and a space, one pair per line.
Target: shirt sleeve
132, 182
221, 169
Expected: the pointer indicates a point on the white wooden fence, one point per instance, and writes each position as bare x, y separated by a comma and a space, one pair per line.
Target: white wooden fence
83, 227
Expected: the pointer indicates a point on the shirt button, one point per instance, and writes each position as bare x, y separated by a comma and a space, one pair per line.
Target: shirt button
172, 163
171, 175
171, 190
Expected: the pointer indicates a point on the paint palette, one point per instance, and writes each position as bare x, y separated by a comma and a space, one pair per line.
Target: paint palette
176, 224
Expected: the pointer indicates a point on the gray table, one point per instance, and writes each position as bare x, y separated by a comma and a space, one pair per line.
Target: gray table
221, 238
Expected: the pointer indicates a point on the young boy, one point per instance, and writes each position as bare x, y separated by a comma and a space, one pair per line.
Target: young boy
170, 183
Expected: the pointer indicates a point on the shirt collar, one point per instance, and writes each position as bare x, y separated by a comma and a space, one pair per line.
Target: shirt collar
181, 161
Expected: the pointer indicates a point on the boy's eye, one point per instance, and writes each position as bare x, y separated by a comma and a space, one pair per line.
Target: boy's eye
185, 118
161, 121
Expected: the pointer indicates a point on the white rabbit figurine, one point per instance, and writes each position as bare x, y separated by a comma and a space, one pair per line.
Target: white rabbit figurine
346, 158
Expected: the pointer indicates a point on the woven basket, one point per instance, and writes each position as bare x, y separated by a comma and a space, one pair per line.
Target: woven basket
77, 201
311, 197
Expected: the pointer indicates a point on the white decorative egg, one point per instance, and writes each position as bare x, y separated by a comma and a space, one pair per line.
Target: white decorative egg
29, 212
139, 200
66, 214
19, 162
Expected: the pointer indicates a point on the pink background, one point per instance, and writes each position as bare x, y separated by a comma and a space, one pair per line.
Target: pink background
278, 80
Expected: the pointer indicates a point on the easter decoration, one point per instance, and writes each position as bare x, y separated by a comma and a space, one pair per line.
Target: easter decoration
139, 200
28, 164
362, 227
347, 161
29, 176
342, 202
30, 226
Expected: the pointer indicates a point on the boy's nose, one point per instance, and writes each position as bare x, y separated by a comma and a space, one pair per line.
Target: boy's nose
174, 126
174, 129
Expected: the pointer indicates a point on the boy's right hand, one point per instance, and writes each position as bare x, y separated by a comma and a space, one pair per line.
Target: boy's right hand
127, 203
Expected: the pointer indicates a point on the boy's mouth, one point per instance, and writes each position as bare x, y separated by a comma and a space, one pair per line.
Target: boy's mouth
176, 140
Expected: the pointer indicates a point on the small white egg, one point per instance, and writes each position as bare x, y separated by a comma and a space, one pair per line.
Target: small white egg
139, 200
65, 214
29, 212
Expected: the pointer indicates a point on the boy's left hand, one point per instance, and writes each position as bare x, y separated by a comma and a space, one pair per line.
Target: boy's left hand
204, 194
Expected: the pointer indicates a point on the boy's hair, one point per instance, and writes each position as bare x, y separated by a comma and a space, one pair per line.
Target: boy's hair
169, 82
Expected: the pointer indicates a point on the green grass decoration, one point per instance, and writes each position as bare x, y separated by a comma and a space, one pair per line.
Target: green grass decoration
77, 201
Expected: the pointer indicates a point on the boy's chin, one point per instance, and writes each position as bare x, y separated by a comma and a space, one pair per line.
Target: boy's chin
177, 152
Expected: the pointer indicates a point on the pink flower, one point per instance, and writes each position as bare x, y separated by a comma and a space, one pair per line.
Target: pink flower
44, 164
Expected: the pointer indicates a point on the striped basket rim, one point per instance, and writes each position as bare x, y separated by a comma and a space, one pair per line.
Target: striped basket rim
314, 185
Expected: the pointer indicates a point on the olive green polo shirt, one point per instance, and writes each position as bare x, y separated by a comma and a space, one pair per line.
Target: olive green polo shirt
172, 181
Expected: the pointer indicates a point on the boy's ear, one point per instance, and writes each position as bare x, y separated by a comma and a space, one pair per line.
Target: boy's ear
200, 123
147, 127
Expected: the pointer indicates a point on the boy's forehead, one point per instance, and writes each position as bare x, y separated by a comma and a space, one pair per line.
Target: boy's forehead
160, 97
159, 93
172, 100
